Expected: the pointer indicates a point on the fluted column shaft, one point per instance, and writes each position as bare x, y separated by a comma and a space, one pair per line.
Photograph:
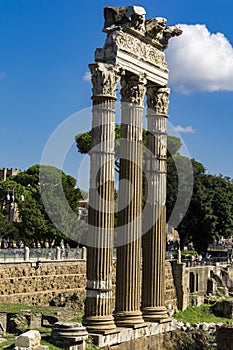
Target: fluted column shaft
154, 240
128, 281
98, 308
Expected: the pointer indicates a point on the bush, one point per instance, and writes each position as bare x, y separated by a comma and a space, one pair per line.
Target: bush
192, 340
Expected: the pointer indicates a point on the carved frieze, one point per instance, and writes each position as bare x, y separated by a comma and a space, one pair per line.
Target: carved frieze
104, 79
133, 89
142, 51
158, 99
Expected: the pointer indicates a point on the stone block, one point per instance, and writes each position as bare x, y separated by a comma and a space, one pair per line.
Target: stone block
30, 339
224, 337
35, 320
3, 322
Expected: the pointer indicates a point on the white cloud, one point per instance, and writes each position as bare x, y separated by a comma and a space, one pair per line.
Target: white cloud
200, 61
87, 77
185, 129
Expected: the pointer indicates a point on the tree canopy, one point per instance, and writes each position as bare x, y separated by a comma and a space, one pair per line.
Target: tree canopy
34, 222
209, 212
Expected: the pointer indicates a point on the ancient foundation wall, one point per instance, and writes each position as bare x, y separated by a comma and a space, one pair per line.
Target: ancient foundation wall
38, 285
156, 342
28, 283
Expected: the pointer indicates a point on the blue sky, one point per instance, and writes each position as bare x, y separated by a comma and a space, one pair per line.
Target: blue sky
46, 46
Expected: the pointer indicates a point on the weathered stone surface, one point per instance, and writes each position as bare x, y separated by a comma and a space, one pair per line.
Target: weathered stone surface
69, 335
152, 336
136, 44
21, 283
224, 337
35, 320
75, 295
128, 278
3, 322
98, 305
30, 339
154, 239
224, 308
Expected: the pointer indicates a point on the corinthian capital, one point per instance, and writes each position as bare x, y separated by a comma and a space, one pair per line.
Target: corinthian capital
104, 79
158, 99
133, 88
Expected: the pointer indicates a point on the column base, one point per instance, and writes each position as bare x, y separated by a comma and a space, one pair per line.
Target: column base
154, 314
130, 319
99, 324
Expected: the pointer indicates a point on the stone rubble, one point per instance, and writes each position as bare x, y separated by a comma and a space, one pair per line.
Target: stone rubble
29, 340
211, 328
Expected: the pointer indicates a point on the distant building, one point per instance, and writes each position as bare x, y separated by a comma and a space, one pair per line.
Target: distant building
7, 172
9, 203
83, 205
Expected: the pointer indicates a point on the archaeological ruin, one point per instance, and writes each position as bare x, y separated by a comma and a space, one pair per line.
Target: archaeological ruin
132, 55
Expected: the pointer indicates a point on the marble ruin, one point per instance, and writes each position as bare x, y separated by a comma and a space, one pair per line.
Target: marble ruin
133, 54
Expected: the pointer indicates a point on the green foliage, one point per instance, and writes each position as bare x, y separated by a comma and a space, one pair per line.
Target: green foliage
35, 223
48, 343
173, 145
210, 211
10, 339
197, 314
84, 143
77, 319
184, 253
44, 331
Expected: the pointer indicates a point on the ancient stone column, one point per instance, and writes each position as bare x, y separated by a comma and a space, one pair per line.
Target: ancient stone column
98, 309
154, 240
128, 282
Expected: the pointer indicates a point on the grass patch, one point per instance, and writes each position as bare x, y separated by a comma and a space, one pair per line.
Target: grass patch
201, 313
17, 308
50, 346
7, 344
77, 319
45, 340
64, 313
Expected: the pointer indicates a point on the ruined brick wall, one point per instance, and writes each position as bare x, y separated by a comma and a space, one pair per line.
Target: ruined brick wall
170, 290
24, 283
227, 277
180, 281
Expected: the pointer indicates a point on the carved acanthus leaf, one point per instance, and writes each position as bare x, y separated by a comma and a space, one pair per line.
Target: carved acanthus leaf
104, 79
133, 89
158, 99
